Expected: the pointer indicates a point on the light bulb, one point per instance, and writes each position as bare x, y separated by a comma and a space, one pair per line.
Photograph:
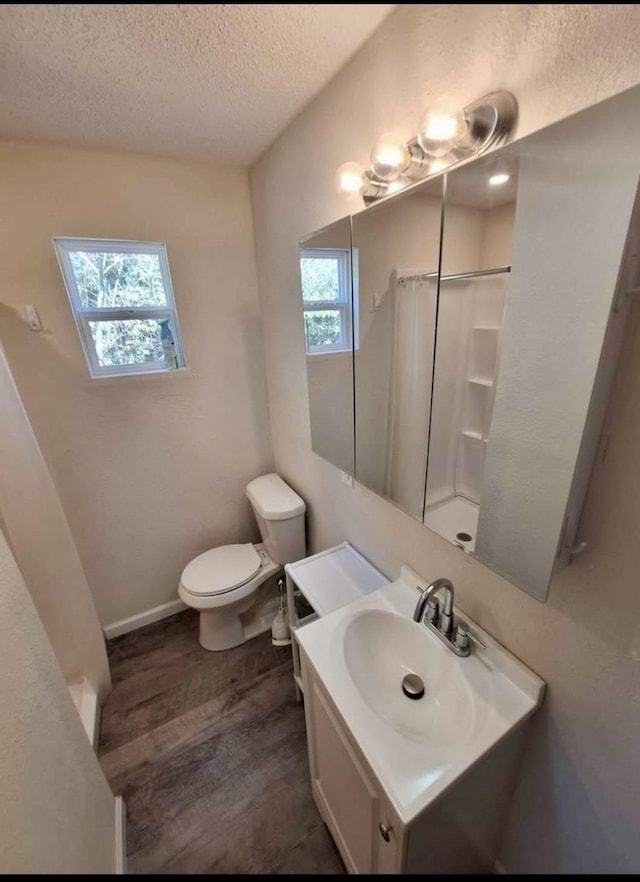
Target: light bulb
351, 180
442, 127
499, 178
389, 157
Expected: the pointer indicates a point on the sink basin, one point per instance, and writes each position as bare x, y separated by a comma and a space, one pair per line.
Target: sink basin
381, 647
359, 655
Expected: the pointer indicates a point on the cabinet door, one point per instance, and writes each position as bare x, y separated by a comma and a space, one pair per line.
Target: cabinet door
346, 796
389, 844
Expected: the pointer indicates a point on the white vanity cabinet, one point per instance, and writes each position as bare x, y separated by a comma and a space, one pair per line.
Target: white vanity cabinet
458, 833
368, 834
409, 786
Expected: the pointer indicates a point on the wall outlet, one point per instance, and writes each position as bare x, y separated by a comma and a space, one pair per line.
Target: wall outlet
346, 479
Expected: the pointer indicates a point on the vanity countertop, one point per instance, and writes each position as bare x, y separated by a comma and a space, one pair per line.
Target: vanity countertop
417, 749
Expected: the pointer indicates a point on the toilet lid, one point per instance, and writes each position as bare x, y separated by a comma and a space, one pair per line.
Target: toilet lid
221, 569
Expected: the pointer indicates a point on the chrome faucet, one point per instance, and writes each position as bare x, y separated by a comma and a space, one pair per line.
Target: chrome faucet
446, 619
441, 623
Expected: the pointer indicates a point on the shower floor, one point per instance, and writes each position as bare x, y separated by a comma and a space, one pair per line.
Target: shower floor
452, 516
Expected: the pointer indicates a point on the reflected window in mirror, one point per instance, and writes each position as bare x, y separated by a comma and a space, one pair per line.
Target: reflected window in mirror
327, 303
328, 271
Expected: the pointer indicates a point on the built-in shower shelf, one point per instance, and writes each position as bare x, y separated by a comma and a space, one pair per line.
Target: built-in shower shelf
480, 381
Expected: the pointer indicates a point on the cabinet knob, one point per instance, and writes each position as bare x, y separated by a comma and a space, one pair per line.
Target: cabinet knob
385, 831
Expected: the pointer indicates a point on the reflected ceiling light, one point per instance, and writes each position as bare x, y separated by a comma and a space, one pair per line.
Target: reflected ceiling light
447, 134
499, 178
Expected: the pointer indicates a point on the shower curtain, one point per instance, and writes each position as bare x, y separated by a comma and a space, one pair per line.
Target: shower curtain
410, 406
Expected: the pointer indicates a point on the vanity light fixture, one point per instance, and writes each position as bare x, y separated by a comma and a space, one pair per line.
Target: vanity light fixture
447, 134
391, 158
354, 180
443, 126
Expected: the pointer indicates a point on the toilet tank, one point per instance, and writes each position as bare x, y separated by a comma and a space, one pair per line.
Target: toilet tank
280, 515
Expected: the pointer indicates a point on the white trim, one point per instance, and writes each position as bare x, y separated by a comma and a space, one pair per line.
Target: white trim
121, 836
115, 629
86, 703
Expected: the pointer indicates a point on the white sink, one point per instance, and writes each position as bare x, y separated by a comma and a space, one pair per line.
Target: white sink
382, 647
416, 747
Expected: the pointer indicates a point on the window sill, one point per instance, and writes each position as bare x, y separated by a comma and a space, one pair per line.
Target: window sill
328, 353
137, 375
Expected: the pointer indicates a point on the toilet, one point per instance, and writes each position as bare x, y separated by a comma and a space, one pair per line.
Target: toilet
223, 583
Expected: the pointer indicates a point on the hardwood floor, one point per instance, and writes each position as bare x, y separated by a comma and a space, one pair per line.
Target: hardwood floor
209, 751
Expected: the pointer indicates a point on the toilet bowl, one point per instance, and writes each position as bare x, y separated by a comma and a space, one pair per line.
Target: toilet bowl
223, 583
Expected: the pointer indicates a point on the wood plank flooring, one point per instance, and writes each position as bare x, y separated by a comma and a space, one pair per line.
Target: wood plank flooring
209, 751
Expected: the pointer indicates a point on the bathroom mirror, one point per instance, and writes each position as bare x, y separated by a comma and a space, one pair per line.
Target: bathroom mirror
574, 256
327, 306
398, 249
482, 375
478, 220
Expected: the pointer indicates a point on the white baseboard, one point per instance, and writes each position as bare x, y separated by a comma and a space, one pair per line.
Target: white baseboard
144, 618
121, 836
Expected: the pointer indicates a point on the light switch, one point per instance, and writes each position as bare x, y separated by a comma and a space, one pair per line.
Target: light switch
32, 317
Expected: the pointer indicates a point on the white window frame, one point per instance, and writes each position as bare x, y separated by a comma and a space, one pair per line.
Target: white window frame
345, 305
82, 315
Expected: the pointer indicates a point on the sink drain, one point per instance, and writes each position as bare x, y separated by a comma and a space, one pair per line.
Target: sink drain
412, 686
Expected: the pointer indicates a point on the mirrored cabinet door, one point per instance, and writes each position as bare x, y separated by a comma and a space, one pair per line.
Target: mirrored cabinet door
327, 307
478, 223
476, 319
574, 229
396, 248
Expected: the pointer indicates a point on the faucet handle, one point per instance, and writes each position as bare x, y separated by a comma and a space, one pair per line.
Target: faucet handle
461, 639
433, 610
464, 635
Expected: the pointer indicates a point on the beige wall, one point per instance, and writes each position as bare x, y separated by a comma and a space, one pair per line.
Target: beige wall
33, 521
151, 470
577, 806
57, 813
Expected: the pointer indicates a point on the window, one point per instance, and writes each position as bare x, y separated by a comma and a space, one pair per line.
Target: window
122, 301
326, 299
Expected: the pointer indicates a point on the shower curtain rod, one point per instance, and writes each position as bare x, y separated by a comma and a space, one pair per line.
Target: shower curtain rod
452, 277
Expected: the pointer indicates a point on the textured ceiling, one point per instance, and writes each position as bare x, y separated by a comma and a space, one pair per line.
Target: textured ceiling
216, 82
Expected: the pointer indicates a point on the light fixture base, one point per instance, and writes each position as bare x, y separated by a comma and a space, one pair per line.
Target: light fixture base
375, 190
491, 119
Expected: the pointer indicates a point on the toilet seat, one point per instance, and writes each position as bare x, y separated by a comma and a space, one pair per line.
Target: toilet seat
221, 570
